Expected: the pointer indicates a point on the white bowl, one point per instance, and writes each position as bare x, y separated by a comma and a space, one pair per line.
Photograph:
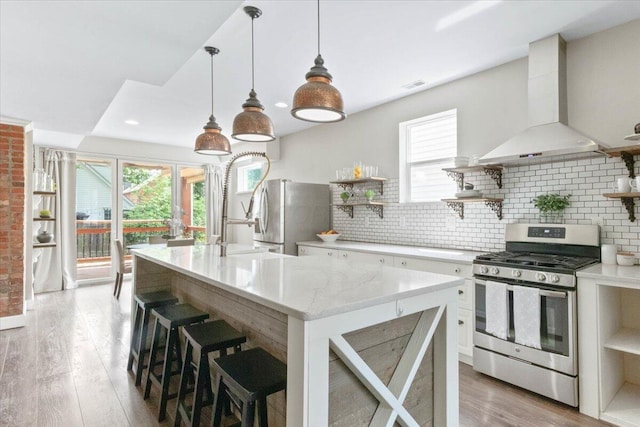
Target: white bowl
461, 161
468, 193
328, 237
626, 259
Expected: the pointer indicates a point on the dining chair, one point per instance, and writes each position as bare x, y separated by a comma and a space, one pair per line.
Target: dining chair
117, 258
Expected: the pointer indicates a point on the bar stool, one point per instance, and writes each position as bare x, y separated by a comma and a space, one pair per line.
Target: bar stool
168, 318
144, 304
204, 338
247, 378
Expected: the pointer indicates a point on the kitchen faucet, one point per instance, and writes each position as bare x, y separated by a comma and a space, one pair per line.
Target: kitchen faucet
225, 202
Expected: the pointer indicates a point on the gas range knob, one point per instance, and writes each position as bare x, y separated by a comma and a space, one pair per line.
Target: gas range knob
555, 278
541, 277
483, 270
516, 273
495, 271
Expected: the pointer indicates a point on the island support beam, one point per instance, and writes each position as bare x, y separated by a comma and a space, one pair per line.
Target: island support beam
309, 343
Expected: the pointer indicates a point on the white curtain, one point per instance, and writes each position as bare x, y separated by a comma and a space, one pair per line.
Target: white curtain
213, 187
56, 266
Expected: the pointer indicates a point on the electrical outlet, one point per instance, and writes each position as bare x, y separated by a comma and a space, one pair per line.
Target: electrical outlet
450, 223
597, 220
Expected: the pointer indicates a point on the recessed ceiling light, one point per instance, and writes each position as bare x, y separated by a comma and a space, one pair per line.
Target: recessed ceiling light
281, 104
132, 122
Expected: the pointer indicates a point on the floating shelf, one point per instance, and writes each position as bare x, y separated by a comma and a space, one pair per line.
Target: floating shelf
626, 153
44, 193
348, 183
457, 205
494, 171
377, 207
627, 200
44, 219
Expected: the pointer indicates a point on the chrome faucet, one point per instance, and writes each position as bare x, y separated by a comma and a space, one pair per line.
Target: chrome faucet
225, 202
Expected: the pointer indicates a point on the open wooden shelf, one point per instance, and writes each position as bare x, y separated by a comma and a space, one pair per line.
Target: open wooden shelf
348, 183
458, 204
44, 193
44, 245
627, 200
377, 207
44, 219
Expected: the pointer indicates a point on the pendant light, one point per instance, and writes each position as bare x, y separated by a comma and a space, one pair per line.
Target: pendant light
212, 141
317, 100
252, 124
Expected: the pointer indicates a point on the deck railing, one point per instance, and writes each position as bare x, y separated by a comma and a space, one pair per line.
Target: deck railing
93, 237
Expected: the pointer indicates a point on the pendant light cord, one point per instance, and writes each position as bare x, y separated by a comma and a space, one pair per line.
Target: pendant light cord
252, 57
318, 27
211, 84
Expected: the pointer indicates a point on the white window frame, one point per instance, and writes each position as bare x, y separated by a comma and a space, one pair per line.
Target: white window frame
241, 175
405, 165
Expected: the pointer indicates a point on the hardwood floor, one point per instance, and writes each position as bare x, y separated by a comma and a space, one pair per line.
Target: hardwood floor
67, 367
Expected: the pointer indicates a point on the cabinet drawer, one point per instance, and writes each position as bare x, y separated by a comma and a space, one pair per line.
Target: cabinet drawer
366, 257
311, 250
453, 269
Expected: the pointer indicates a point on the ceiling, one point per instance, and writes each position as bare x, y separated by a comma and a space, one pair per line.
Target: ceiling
77, 68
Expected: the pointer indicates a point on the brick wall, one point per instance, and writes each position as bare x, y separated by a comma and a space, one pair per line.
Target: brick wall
11, 219
435, 225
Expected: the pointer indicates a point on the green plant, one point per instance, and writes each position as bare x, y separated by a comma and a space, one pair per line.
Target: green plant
551, 202
369, 194
345, 196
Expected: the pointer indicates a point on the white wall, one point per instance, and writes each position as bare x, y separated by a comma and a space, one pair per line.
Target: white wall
603, 102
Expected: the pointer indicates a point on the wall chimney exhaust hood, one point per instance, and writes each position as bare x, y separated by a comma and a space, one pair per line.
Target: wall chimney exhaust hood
548, 135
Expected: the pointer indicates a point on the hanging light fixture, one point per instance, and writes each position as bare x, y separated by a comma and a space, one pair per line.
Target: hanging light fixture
252, 124
212, 141
317, 100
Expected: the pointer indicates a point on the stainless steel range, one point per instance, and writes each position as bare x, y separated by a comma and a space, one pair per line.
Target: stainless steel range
531, 287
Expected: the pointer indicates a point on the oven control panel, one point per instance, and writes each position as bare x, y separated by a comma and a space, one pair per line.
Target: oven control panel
491, 272
547, 232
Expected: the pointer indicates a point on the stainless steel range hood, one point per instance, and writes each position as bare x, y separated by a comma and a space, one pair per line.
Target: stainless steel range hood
548, 135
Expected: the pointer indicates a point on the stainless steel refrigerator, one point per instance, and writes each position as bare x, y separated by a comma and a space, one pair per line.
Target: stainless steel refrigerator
290, 212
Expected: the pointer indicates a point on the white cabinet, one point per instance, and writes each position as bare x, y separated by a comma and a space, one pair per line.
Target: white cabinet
311, 250
465, 291
465, 297
610, 357
368, 258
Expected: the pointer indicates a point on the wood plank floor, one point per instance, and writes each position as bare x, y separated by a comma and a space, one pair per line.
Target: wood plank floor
67, 367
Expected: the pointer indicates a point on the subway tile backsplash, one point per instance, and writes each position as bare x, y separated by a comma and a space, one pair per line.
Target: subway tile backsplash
436, 225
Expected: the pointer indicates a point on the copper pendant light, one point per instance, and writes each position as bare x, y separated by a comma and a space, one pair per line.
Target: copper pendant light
252, 124
212, 141
317, 100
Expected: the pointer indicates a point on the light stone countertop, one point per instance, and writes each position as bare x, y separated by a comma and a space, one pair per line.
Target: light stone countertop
619, 273
303, 287
436, 254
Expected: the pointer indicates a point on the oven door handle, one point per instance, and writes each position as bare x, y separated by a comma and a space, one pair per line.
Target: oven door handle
543, 292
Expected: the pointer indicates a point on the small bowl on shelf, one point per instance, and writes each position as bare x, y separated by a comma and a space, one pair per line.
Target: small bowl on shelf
328, 237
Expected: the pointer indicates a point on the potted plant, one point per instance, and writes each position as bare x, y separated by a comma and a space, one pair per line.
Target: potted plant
551, 207
369, 195
345, 196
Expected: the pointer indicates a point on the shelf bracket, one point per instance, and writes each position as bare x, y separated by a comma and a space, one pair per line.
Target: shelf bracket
458, 177
345, 186
381, 189
495, 206
348, 209
457, 208
496, 174
629, 162
630, 205
377, 209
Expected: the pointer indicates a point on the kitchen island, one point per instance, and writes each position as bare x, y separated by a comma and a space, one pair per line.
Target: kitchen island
364, 344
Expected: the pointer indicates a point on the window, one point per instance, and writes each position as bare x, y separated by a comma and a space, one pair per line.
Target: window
427, 145
249, 176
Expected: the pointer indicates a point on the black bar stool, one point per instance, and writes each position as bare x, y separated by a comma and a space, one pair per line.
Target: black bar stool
247, 378
169, 319
144, 304
204, 338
